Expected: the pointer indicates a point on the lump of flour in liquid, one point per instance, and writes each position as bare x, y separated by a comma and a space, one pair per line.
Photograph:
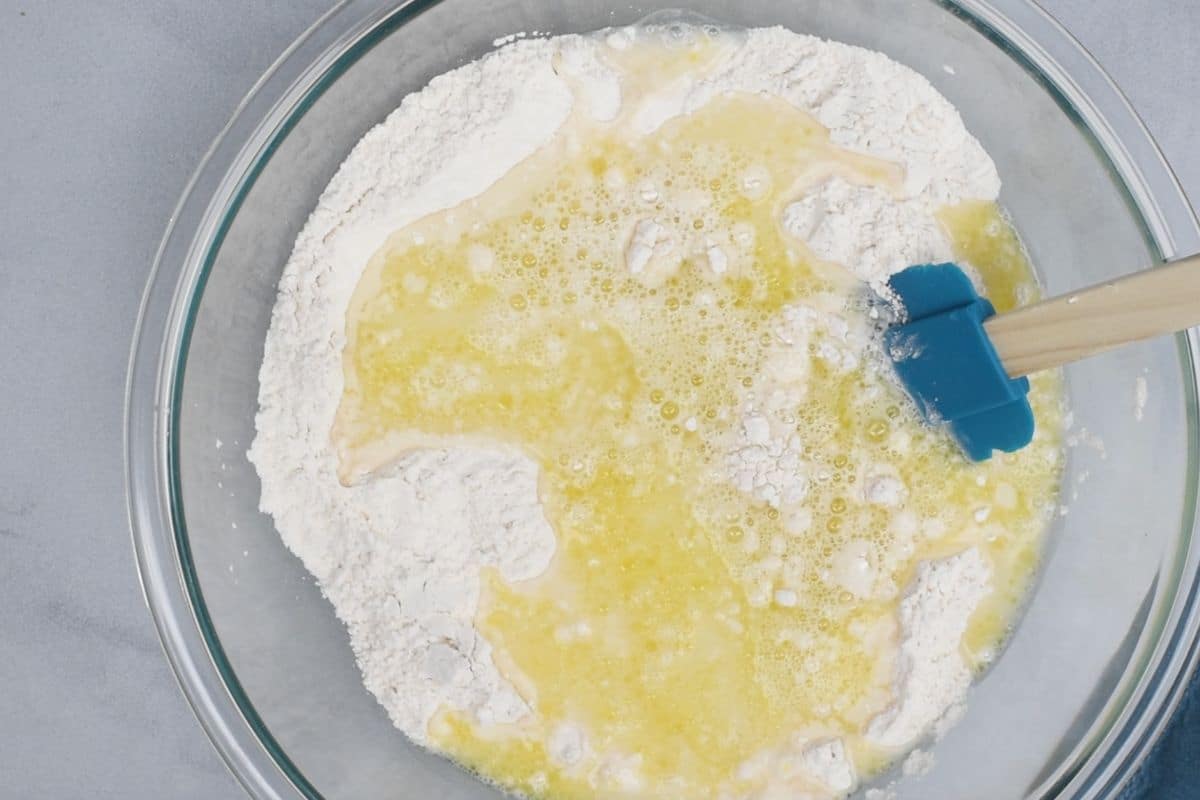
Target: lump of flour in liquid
631, 502
931, 674
867, 230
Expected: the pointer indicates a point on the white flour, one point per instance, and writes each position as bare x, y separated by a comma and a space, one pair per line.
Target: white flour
868, 102
399, 554
765, 459
816, 763
931, 675
867, 230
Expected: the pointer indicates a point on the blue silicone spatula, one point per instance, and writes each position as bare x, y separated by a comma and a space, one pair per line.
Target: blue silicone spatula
965, 365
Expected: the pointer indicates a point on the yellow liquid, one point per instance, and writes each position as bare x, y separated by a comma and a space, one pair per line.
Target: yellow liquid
514, 318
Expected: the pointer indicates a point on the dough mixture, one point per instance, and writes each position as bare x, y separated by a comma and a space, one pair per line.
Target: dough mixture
574, 405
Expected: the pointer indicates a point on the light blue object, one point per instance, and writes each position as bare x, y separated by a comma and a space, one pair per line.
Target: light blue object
944, 357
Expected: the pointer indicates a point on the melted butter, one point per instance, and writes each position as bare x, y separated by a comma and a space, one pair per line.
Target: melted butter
514, 317
983, 238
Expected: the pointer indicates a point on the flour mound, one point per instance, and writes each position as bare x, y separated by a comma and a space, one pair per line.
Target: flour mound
399, 554
865, 230
931, 673
869, 103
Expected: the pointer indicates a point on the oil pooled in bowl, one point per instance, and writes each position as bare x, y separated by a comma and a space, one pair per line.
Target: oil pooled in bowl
612, 307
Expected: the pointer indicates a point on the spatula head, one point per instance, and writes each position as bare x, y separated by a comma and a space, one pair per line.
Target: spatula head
944, 357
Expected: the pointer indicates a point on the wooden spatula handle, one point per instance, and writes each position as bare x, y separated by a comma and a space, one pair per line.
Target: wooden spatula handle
1063, 329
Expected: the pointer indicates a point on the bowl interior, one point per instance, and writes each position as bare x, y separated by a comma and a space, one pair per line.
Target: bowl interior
1112, 558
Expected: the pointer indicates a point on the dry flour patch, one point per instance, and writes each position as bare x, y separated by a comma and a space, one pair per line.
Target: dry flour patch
399, 554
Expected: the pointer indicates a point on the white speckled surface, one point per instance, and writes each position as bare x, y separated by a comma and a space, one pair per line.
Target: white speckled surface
106, 106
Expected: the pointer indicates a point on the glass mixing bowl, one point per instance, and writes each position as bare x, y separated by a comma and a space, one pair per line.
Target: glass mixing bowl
1108, 639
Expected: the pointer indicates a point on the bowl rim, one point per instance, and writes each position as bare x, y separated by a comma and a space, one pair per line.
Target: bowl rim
1100, 766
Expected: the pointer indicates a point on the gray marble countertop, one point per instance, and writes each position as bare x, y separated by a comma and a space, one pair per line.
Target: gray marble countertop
106, 106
